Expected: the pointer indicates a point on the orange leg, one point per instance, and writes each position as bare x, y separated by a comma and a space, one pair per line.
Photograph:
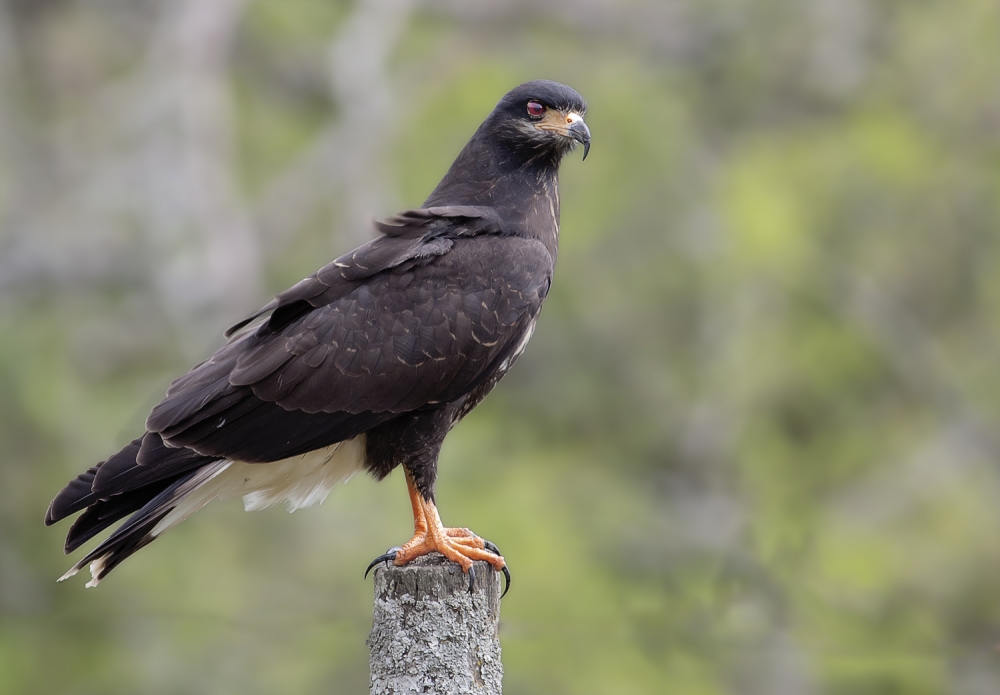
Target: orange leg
460, 545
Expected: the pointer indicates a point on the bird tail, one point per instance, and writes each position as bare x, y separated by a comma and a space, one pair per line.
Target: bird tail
147, 482
167, 508
161, 486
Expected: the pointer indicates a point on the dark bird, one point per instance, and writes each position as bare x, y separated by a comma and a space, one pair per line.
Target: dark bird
367, 364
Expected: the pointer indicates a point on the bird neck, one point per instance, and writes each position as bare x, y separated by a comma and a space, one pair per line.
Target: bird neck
521, 184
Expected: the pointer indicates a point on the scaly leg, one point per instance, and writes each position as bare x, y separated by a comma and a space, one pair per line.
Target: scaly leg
460, 545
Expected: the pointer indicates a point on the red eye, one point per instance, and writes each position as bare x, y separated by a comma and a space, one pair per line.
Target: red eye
535, 108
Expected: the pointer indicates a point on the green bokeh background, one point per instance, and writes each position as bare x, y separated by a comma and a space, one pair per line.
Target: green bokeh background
753, 446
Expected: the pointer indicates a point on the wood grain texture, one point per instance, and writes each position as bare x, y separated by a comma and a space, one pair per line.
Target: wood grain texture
430, 634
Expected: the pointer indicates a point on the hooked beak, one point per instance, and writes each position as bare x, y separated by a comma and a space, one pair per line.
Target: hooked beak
579, 131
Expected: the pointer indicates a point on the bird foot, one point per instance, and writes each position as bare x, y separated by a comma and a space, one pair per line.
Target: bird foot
460, 545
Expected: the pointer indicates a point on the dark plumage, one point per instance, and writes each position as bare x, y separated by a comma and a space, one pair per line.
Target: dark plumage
368, 363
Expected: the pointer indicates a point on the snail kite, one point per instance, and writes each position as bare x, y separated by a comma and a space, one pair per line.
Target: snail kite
367, 364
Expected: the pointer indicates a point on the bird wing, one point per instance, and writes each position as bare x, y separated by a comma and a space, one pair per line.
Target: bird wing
418, 317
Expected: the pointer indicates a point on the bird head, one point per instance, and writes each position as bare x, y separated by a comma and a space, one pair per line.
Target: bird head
542, 115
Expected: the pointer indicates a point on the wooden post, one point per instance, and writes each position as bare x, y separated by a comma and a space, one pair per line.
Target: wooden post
430, 634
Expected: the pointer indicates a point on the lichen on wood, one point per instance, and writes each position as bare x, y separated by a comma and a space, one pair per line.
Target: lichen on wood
430, 634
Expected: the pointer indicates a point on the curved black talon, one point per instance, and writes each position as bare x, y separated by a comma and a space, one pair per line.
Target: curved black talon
387, 557
472, 577
506, 572
506, 584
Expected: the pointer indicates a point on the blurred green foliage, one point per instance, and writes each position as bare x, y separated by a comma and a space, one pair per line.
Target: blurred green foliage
753, 445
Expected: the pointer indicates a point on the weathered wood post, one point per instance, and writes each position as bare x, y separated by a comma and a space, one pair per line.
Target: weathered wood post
430, 634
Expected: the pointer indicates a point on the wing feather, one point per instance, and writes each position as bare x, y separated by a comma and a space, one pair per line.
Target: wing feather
419, 316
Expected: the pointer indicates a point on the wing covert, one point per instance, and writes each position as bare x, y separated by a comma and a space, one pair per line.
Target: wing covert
427, 329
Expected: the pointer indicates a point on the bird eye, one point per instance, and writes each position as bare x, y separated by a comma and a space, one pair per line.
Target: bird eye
535, 108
